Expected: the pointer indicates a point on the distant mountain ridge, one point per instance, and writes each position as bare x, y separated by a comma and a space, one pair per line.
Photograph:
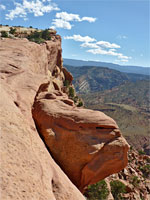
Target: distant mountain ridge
94, 79
121, 68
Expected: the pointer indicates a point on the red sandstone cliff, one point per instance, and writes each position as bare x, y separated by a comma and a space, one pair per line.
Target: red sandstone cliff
86, 144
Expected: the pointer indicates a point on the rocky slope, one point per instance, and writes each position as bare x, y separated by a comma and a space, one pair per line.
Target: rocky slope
135, 177
84, 143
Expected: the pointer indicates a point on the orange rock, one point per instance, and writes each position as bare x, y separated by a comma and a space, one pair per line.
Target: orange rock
27, 170
68, 75
86, 144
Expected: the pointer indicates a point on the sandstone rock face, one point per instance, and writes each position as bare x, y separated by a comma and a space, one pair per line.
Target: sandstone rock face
27, 170
86, 144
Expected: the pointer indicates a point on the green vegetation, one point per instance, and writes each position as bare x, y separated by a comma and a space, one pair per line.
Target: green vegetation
80, 104
135, 181
66, 83
12, 31
39, 36
141, 152
98, 191
71, 92
4, 34
46, 34
145, 170
117, 189
76, 99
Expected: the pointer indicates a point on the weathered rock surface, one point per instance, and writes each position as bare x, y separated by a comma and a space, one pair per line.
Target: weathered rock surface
86, 144
27, 170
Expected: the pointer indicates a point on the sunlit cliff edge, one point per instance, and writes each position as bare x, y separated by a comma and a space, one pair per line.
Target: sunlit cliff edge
50, 148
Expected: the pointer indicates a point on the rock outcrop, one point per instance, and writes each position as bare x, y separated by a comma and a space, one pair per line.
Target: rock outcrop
27, 170
86, 144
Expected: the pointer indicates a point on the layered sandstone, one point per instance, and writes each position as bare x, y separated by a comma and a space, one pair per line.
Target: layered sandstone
86, 144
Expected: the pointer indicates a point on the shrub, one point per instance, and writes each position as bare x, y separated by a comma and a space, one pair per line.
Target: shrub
76, 99
4, 34
71, 92
117, 189
80, 103
39, 37
35, 34
37, 40
135, 181
46, 35
66, 83
12, 30
141, 152
98, 191
145, 170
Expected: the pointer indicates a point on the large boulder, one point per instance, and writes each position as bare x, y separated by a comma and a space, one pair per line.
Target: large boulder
86, 144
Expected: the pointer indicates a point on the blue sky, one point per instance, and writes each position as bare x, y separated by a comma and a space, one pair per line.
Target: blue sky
114, 31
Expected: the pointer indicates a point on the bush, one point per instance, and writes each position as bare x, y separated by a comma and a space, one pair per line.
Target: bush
145, 170
76, 99
36, 35
80, 103
12, 30
141, 152
135, 181
98, 191
117, 189
39, 37
46, 35
66, 83
4, 34
71, 92
37, 40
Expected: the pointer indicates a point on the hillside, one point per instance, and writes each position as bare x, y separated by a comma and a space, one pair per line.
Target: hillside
95, 79
128, 104
122, 96
121, 68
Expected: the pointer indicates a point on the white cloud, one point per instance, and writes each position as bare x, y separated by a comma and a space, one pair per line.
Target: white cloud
69, 17
2, 7
89, 19
60, 23
122, 37
74, 17
107, 44
80, 38
89, 45
97, 51
36, 7
100, 47
109, 52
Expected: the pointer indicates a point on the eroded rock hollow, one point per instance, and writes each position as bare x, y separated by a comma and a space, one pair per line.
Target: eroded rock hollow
86, 144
